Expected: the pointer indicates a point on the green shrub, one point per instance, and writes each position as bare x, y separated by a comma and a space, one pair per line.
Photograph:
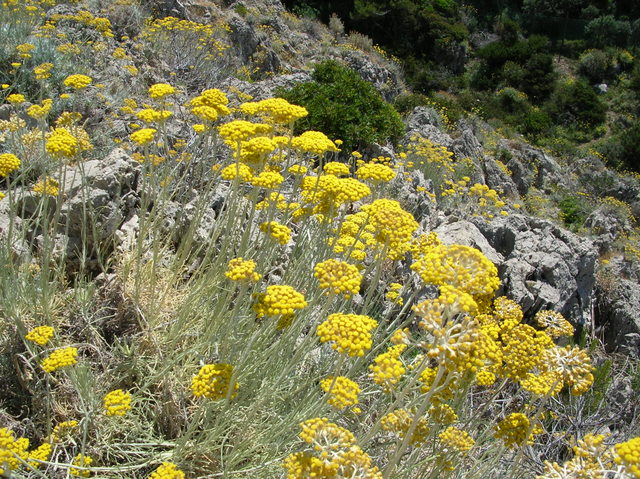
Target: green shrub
344, 106
578, 105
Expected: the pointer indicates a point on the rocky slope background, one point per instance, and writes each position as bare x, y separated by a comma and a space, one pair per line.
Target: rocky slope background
108, 239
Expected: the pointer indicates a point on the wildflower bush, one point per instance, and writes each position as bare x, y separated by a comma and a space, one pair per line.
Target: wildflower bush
305, 326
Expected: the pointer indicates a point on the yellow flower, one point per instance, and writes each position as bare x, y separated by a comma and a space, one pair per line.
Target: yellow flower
160, 90
83, 461
40, 335
348, 333
12, 450
59, 359
48, 186
8, 163
514, 428
213, 381
343, 391
338, 277
277, 231
61, 143
279, 300
16, 98
43, 71
628, 455
167, 470
387, 368
242, 270
77, 82
117, 403
143, 136
40, 111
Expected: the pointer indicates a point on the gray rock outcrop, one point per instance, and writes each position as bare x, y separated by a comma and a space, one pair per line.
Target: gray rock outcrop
618, 319
544, 266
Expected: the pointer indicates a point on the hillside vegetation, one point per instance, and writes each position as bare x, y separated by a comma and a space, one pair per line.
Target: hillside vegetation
225, 254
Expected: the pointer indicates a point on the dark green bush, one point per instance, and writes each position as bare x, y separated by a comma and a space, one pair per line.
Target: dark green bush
576, 104
344, 106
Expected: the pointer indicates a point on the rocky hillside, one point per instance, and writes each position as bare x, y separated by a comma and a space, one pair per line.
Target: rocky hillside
190, 281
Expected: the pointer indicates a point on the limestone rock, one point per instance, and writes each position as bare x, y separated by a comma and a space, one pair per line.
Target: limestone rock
617, 316
544, 267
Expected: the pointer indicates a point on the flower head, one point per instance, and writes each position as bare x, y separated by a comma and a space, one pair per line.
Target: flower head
348, 333
160, 90
167, 470
59, 359
78, 82
40, 335
214, 381
116, 403
8, 163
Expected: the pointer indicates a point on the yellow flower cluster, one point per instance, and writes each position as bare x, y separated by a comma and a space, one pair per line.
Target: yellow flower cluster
314, 142
279, 300
376, 173
555, 324
456, 439
100, 24
40, 453
592, 460
210, 105
393, 226
77, 82
116, 402
81, 461
328, 192
442, 414
48, 186
336, 168
399, 422
334, 454
8, 163
515, 430
255, 150
12, 451
628, 455
241, 130
462, 267
40, 111
338, 277
422, 150
63, 429
572, 367
343, 391
143, 136
59, 359
275, 110
484, 202
200, 36
277, 231
40, 335
158, 91
240, 269
25, 49
387, 369
237, 170
16, 98
268, 179
151, 115
393, 294
213, 381
522, 348
43, 71
348, 333
167, 470
61, 143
